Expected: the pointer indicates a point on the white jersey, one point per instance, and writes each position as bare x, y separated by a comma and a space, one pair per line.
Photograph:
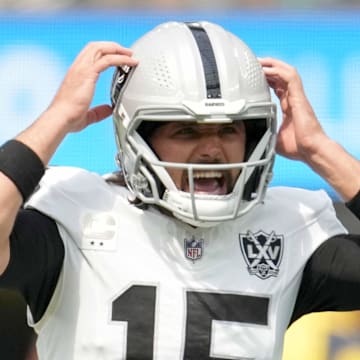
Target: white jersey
137, 284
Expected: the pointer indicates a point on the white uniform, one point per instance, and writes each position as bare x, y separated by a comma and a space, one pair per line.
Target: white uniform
137, 284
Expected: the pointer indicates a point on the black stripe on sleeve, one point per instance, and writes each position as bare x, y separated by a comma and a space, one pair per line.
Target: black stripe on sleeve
331, 278
354, 205
36, 258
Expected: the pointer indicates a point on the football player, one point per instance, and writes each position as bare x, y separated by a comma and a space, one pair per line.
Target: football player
185, 253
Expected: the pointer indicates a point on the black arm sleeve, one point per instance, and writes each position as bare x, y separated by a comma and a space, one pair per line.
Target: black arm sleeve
331, 278
36, 258
354, 205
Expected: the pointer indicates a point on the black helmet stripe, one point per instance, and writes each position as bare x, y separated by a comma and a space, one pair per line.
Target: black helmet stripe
211, 73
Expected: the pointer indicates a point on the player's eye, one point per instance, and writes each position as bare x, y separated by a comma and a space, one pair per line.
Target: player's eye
228, 129
186, 131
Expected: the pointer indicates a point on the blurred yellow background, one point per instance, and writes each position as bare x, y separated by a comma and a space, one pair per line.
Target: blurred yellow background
324, 336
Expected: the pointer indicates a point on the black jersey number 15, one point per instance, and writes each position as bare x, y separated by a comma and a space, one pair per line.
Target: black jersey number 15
137, 306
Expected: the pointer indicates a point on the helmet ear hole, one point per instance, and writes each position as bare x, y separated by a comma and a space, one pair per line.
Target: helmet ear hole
145, 130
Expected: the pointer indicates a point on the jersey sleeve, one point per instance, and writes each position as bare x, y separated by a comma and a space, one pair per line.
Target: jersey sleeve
354, 205
36, 256
331, 278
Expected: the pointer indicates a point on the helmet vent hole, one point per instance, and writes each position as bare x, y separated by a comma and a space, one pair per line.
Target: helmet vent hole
161, 73
253, 71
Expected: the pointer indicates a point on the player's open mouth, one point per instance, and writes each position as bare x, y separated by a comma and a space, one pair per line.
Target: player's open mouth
209, 182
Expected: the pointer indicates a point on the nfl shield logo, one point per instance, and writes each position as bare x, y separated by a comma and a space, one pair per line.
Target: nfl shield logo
193, 248
262, 252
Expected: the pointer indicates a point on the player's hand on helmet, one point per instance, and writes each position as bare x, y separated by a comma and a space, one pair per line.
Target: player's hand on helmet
76, 92
300, 135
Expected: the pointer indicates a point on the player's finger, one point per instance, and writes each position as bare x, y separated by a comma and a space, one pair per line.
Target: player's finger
277, 69
272, 62
114, 60
98, 113
100, 48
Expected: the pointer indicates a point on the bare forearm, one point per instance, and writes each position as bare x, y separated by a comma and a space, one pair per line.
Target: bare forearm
338, 168
45, 134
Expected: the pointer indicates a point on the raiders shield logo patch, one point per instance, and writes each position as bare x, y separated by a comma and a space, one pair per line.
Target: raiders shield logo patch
193, 248
262, 252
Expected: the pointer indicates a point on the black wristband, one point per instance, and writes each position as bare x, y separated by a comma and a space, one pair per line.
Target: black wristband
22, 166
354, 205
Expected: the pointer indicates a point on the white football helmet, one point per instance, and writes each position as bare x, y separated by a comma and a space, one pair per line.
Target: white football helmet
193, 72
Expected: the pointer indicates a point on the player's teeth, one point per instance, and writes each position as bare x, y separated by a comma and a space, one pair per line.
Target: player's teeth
207, 174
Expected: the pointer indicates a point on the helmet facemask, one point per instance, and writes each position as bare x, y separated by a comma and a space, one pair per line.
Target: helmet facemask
148, 177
